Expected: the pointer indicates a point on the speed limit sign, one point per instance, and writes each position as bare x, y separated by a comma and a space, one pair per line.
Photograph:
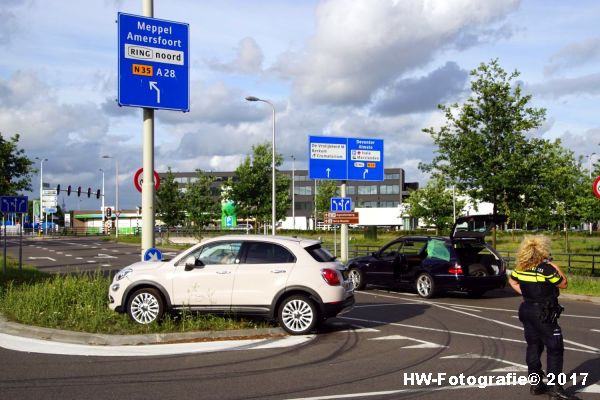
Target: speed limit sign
596, 187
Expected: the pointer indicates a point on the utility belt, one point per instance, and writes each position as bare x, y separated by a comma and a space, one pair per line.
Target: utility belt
549, 310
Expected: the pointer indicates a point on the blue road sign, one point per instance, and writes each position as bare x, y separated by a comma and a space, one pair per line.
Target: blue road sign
340, 204
335, 158
229, 221
153, 63
152, 254
13, 204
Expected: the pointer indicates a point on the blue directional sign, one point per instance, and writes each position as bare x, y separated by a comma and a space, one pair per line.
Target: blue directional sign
13, 204
229, 221
335, 158
153, 63
340, 204
152, 254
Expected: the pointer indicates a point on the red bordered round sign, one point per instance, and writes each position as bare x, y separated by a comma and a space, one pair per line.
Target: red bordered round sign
138, 179
596, 187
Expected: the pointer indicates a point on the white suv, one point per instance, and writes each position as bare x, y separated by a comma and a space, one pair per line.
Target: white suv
292, 280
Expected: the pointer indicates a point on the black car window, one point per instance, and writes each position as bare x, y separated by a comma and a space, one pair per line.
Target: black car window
412, 247
438, 249
391, 249
267, 253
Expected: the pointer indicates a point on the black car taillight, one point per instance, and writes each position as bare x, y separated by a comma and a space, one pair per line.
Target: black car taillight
456, 269
331, 276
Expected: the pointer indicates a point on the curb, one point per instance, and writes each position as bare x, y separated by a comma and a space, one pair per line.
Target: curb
58, 335
580, 297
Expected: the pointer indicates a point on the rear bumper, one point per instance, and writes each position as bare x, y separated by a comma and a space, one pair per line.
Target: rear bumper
329, 310
466, 283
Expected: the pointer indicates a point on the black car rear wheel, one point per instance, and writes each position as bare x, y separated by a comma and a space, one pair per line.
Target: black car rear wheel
425, 286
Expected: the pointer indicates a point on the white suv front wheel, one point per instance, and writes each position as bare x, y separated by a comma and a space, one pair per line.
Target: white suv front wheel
298, 315
145, 306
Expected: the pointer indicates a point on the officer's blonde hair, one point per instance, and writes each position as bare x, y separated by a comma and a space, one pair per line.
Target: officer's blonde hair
533, 250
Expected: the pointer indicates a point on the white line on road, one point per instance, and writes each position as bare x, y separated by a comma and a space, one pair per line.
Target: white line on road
41, 258
423, 343
79, 258
48, 347
434, 304
514, 366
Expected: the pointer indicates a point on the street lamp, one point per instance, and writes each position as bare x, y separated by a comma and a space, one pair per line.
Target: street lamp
102, 207
41, 160
273, 215
293, 192
116, 194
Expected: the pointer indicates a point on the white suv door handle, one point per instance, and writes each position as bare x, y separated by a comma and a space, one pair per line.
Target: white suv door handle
278, 271
223, 272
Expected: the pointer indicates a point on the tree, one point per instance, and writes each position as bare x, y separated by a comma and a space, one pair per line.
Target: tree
252, 191
170, 201
202, 207
15, 167
483, 147
326, 189
435, 204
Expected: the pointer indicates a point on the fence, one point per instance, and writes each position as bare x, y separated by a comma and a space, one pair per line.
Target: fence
580, 263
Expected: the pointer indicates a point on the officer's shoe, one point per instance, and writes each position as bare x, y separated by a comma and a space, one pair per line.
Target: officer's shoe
556, 392
540, 388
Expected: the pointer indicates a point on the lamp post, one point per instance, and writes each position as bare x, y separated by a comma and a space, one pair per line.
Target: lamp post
41, 160
273, 213
116, 194
102, 207
293, 192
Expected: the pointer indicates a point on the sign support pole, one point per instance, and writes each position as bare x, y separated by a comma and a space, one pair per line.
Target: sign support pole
148, 164
343, 230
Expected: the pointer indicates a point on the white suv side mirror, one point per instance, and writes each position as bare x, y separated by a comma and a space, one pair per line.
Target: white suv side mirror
191, 263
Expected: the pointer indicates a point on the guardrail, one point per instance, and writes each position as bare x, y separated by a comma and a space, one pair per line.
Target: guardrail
579, 263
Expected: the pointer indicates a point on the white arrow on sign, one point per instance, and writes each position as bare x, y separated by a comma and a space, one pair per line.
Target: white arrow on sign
365, 173
155, 87
328, 171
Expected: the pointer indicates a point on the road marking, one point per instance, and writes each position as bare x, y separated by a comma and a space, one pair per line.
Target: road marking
102, 255
106, 265
593, 349
68, 255
595, 330
91, 261
391, 392
477, 335
513, 366
41, 258
423, 344
590, 389
48, 347
467, 308
79, 258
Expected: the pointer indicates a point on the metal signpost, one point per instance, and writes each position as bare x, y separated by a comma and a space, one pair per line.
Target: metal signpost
154, 74
335, 158
16, 205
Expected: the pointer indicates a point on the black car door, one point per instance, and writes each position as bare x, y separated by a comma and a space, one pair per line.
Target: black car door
384, 269
412, 254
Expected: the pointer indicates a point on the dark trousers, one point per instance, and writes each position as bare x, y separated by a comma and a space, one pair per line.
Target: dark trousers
539, 334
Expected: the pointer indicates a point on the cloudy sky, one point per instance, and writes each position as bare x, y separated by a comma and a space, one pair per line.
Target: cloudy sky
350, 68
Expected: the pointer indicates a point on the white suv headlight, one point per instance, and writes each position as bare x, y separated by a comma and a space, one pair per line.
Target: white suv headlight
122, 274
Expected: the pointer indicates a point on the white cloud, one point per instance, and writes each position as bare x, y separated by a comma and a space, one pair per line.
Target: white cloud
557, 88
249, 59
574, 55
361, 46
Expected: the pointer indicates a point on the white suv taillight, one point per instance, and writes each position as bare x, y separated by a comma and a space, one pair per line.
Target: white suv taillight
331, 276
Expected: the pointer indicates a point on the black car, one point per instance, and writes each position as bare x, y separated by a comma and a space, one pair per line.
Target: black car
433, 264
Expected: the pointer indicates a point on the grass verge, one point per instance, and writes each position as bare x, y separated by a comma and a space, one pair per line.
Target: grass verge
79, 303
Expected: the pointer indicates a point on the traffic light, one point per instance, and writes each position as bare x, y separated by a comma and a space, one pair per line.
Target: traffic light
58, 189
98, 194
108, 212
89, 192
79, 191
69, 190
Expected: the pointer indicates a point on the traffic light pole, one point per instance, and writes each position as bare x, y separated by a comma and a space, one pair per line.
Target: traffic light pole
148, 164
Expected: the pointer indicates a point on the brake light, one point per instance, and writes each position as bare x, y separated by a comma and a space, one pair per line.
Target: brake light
456, 269
330, 276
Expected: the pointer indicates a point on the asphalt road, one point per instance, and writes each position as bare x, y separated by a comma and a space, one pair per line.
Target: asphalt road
380, 350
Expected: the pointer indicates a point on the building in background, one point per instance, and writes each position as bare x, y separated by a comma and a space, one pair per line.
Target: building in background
380, 202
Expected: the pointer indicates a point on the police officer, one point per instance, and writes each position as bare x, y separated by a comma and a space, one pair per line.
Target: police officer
538, 279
